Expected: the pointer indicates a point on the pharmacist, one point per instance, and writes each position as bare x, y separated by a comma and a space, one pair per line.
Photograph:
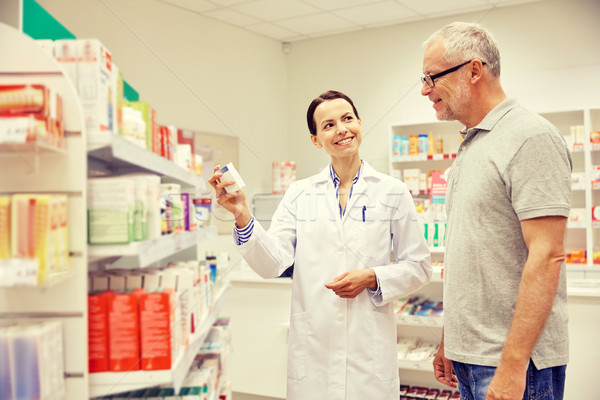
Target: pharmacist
338, 228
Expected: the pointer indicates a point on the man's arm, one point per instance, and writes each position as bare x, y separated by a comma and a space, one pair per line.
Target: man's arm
544, 238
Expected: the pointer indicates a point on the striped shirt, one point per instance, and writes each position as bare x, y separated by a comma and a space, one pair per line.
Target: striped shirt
336, 184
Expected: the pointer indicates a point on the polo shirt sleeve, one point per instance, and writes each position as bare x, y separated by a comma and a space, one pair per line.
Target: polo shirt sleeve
538, 178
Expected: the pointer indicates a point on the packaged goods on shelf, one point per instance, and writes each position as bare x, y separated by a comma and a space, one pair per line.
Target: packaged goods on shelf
98, 356
168, 141
415, 305
159, 313
5, 249
185, 149
413, 349
576, 256
133, 127
148, 185
31, 113
433, 221
203, 211
38, 230
416, 145
171, 208
65, 52
111, 205
160, 308
152, 129
577, 218
421, 392
94, 70
31, 361
283, 175
123, 331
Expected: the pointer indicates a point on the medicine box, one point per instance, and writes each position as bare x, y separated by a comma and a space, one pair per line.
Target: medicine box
93, 83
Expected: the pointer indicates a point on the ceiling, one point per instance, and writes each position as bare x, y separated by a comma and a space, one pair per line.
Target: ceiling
294, 20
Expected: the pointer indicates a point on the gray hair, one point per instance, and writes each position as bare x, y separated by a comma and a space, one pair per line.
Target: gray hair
464, 41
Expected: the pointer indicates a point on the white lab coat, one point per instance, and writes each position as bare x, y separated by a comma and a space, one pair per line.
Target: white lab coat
343, 349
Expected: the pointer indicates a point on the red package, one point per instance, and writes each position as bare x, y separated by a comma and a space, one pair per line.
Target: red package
156, 318
98, 332
123, 331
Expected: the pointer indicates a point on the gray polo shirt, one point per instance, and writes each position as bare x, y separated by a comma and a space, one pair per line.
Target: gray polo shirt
513, 166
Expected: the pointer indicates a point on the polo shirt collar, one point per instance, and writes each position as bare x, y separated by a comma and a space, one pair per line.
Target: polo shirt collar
491, 119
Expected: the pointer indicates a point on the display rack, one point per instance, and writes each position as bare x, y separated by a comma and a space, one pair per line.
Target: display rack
41, 168
119, 154
107, 383
143, 254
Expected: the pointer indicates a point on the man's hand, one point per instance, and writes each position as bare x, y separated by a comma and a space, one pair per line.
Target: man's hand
443, 369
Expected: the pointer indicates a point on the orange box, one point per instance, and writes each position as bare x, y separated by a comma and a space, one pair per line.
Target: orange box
98, 332
124, 331
156, 323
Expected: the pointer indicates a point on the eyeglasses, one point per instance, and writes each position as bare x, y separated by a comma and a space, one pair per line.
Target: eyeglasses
430, 79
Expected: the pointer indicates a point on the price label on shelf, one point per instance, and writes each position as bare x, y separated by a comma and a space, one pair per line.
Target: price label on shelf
14, 130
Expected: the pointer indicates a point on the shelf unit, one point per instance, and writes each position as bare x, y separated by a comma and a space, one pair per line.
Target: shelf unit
580, 235
39, 168
106, 383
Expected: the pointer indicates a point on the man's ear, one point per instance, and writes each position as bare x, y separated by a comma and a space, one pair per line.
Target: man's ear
476, 70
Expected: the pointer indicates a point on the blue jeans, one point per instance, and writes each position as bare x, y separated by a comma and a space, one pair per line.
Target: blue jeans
545, 384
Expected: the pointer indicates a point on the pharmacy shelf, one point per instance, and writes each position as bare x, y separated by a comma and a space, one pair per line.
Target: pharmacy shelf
583, 287
120, 154
30, 148
415, 365
27, 271
417, 320
107, 383
423, 157
150, 251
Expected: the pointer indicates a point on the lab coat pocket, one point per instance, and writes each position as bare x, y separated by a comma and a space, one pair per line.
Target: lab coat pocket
384, 346
297, 347
374, 235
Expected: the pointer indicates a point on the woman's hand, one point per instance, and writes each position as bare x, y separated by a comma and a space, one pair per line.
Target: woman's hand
236, 202
351, 284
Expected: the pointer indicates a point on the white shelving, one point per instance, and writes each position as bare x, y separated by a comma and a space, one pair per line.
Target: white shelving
106, 383
143, 254
40, 168
119, 153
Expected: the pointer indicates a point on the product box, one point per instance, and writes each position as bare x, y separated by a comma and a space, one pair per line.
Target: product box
47, 45
65, 52
93, 83
98, 356
36, 355
152, 128
123, 331
115, 120
157, 320
111, 204
5, 250
411, 178
186, 137
34, 236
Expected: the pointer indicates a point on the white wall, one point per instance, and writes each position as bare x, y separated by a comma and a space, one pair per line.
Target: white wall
550, 61
198, 73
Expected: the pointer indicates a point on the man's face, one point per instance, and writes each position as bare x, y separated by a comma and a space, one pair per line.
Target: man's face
450, 94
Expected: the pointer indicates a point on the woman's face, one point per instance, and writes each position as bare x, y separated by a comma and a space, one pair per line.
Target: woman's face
339, 131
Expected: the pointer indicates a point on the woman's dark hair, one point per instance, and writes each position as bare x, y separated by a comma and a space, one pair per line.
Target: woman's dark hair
328, 95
